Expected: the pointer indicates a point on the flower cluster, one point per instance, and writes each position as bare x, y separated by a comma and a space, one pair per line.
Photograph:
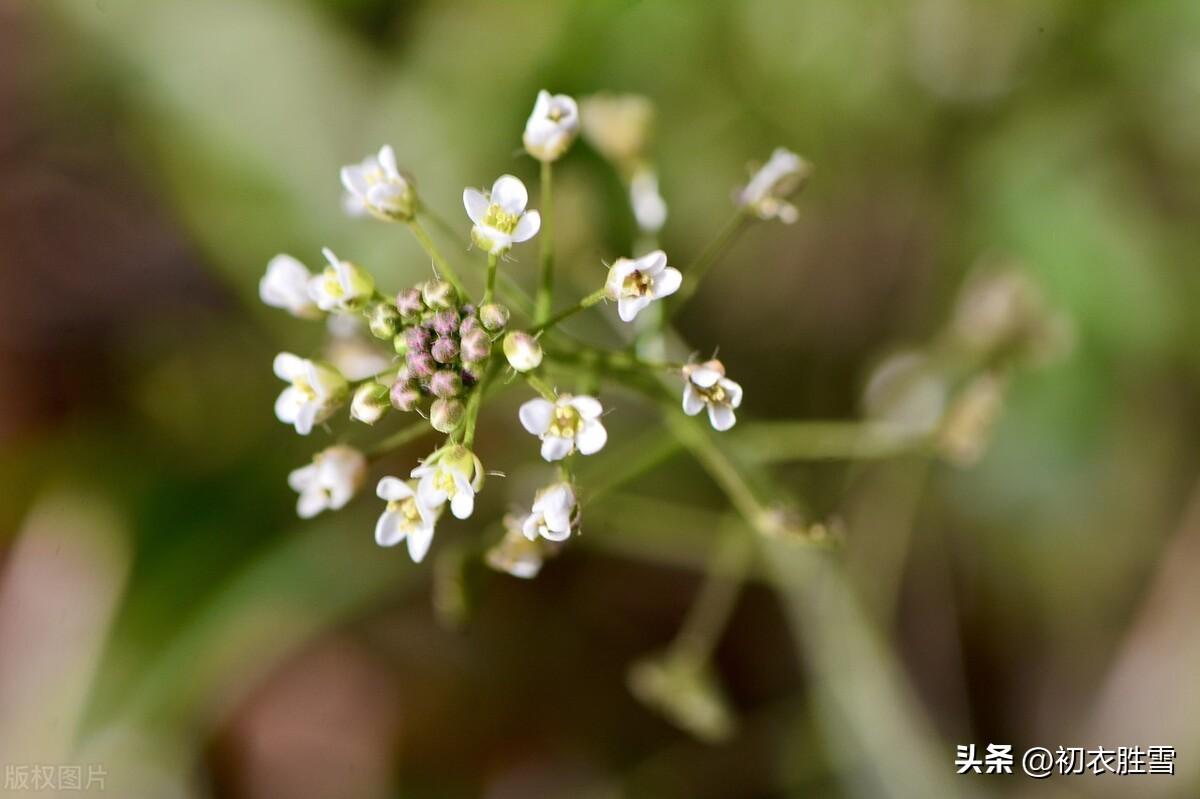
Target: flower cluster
447, 349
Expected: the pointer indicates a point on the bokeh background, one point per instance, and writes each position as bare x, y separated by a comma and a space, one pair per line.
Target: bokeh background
163, 612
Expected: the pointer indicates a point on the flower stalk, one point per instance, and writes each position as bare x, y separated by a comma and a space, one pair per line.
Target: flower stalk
545, 290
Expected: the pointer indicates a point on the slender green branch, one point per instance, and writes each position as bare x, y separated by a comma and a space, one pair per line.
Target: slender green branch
708, 256
540, 386
403, 436
710, 612
509, 291
587, 302
475, 401
545, 290
443, 267
490, 288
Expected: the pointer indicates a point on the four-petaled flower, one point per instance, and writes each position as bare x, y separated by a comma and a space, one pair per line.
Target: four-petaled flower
404, 519
500, 217
451, 474
767, 192
342, 286
636, 282
554, 514
565, 424
515, 554
285, 285
552, 126
707, 385
377, 186
329, 482
316, 391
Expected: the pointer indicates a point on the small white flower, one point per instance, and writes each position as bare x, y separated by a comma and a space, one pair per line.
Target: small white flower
316, 391
707, 386
451, 474
636, 282
377, 187
522, 351
370, 402
767, 192
554, 515
515, 554
330, 481
564, 425
285, 285
404, 519
343, 286
649, 208
552, 126
500, 217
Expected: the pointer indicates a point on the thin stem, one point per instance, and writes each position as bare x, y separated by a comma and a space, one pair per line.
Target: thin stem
400, 438
545, 290
444, 269
587, 302
710, 612
708, 256
540, 386
508, 289
490, 288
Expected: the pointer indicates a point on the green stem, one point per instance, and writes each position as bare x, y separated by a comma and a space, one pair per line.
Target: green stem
545, 290
708, 256
587, 302
540, 386
710, 612
490, 289
443, 268
399, 438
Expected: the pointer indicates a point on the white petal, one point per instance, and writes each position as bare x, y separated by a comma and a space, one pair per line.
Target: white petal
560, 501
388, 531
387, 160
476, 205
588, 407
592, 437
462, 505
509, 193
734, 390
721, 416
629, 307
353, 180
705, 377
535, 415
617, 274
302, 478
652, 262
552, 534
667, 282
288, 405
428, 494
527, 227
288, 366
555, 448
693, 403
529, 527
419, 540
330, 257
387, 196
311, 503
393, 489
306, 418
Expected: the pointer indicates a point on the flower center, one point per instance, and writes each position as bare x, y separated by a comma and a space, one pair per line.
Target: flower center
333, 286
556, 113
566, 422
500, 219
637, 284
302, 385
444, 480
407, 509
716, 394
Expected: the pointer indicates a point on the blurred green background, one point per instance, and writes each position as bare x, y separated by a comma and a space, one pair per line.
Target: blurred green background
162, 611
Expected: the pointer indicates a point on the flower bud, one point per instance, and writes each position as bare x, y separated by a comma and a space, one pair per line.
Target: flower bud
418, 339
446, 414
475, 346
400, 344
437, 294
493, 317
444, 350
445, 323
420, 364
405, 395
409, 303
370, 402
522, 350
469, 323
383, 319
446, 384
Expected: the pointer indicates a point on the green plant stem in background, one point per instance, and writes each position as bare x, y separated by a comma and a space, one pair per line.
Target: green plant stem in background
710, 612
443, 267
490, 288
475, 402
587, 302
401, 437
545, 289
695, 272
507, 288
541, 387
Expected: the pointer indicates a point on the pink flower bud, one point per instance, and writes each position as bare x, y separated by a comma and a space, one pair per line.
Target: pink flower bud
475, 346
446, 384
446, 414
405, 396
445, 323
493, 317
444, 350
420, 365
409, 303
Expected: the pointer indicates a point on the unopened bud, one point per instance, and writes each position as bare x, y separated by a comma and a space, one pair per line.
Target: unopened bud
405, 396
445, 323
383, 319
446, 414
522, 351
420, 364
437, 294
400, 344
409, 303
444, 350
493, 317
370, 402
468, 324
446, 384
475, 346
418, 339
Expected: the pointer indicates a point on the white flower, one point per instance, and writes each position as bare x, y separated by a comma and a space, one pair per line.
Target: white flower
343, 286
636, 282
285, 285
370, 402
618, 126
377, 187
649, 208
451, 474
708, 386
500, 217
552, 126
515, 554
404, 519
564, 425
316, 391
767, 192
329, 482
522, 351
554, 515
